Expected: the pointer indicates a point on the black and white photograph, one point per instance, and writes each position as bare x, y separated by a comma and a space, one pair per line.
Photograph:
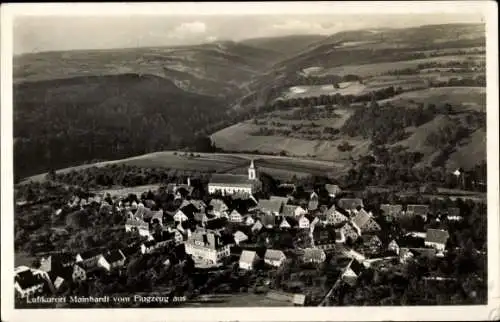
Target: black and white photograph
205, 157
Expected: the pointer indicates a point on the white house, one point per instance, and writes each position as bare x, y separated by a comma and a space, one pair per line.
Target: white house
112, 259
436, 238
304, 222
235, 216
207, 247
239, 237
180, 216
274, 257
248, 220
28, 282
248, 259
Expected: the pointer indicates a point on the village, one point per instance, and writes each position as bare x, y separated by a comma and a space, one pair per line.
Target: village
276, 238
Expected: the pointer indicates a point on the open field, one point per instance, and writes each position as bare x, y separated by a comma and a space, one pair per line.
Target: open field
218, 162
381, 68
123, 192
472, 98
353, 88
239, 137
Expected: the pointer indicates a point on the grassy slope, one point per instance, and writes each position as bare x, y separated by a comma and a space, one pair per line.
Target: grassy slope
278, 166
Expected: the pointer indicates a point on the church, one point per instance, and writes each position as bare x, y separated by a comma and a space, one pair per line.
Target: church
230, 184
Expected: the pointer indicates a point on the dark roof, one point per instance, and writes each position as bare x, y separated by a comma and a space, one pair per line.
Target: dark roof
323, 235
291, 221
189, 210
437, 236
453, 211
356, 267
90, 253
27, 279
268, 220
231, 180
350, 203
424, 252
410, 242
114, 256
217, 223
149, 243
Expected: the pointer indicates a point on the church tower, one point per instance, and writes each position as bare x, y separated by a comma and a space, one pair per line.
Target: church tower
251, 172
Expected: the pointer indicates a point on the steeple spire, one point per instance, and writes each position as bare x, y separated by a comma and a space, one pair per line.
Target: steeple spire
251, 171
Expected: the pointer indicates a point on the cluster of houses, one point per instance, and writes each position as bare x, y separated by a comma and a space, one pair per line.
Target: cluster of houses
344, 227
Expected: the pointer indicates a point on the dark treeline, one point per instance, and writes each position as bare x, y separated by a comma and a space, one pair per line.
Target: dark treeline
108, 117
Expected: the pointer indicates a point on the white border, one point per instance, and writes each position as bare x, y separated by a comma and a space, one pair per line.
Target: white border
487, 8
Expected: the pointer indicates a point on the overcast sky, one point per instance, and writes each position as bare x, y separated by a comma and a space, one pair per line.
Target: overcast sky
48, 33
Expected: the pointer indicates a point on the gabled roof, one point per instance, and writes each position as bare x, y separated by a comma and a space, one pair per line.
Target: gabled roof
218, 205
27, 279
189, 210
240, 236
284, 200
231, 180
114, 256
391, 209
290, 220
421, 210
350, 203
267, 205
268, 220
312, 204
361, 218
313, 254
332, 188
216, 223
323, 235
356, 267
273, 254
289, 210
437, 236
257, 225
248, 256
136, 223
90, 253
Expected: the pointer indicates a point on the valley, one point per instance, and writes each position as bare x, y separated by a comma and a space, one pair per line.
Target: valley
256, 97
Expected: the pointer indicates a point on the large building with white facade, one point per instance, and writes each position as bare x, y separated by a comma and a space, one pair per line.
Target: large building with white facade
207, 247
229, 184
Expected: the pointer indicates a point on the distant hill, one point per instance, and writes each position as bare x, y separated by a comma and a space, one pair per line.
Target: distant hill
215, 69
64, 122
362, 47
286, 45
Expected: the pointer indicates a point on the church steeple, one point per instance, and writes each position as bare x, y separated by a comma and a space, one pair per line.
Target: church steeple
251, 171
